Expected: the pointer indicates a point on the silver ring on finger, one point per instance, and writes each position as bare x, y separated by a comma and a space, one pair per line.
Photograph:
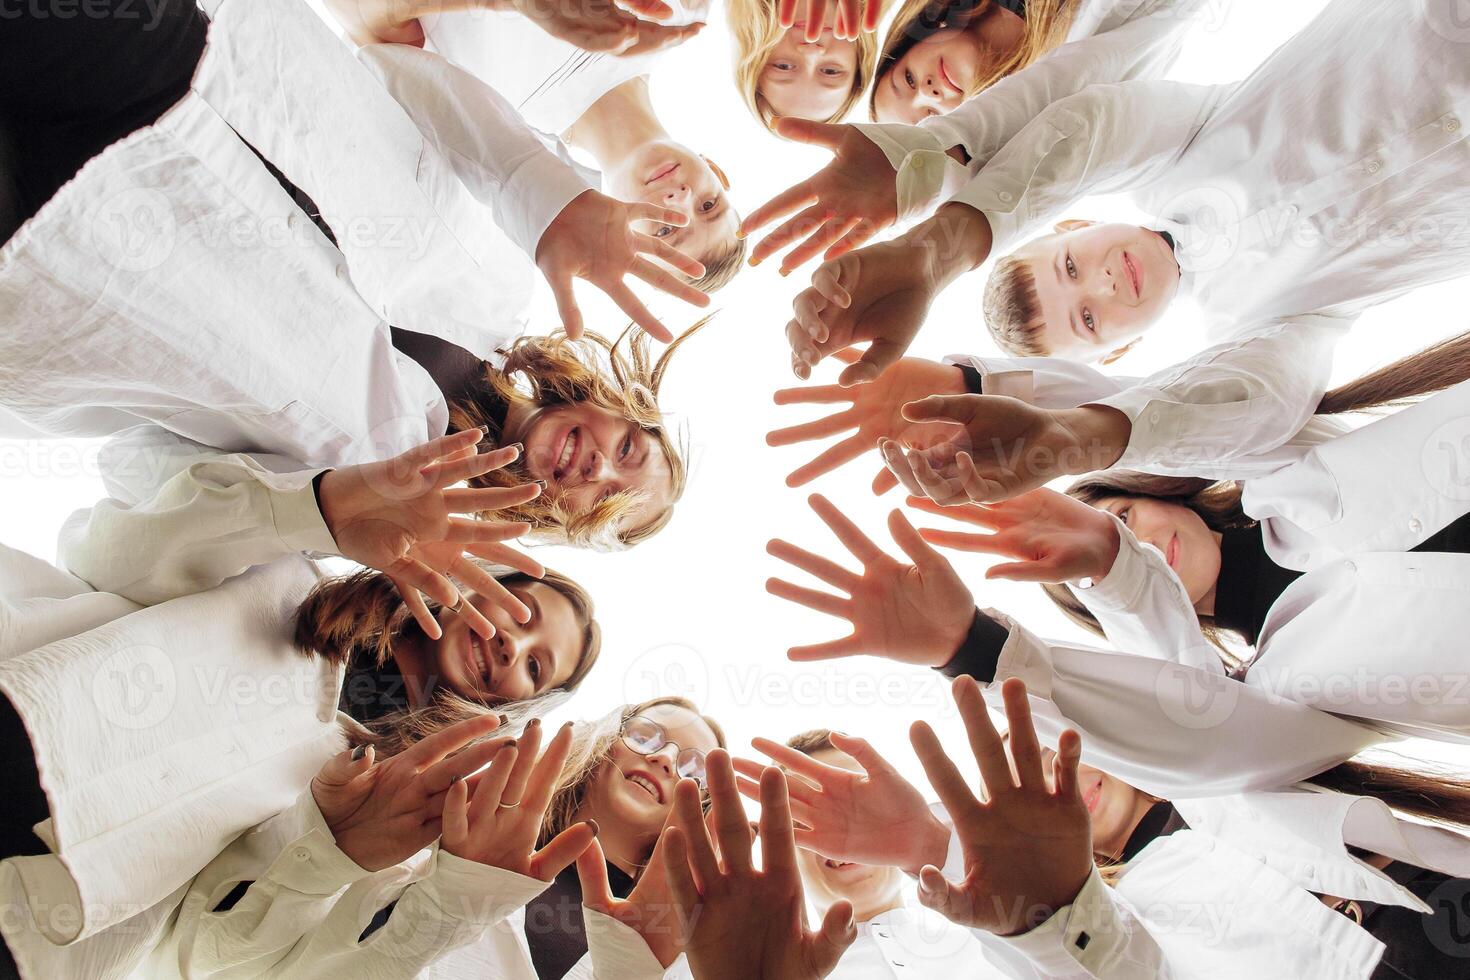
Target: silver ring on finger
509, 806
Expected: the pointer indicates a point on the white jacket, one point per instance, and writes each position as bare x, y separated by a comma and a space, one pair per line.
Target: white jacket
1370, 630
1236, 894
202, 298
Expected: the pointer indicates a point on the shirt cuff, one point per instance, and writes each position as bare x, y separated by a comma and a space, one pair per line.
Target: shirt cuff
979, 652
1155, 429
921, 167
1086, 934
298, 519
1124, 584
617, 950
312, 864
536, 193
1018, 383
476, 893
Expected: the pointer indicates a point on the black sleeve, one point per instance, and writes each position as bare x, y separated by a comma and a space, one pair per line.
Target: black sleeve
979, 653
974, 381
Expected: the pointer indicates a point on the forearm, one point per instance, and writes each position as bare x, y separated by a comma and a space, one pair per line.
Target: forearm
956, 240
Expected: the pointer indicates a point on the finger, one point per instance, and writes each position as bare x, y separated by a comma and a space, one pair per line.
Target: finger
848, 11
463, 764
637, 312
821, 602
490, 786
417, 608
472, 530
880, 355
828, 571
643, 211
1042, 572
455, 822
818, 429
837, 933
915, 547
530, 746
680, 879
834, 456
493, 593
978, 487
898, 468
1064, 766
807, 308
510, 557
849, 355
937, 893
566, 305
447, 472
731, 825
562, 850
828, 135
938, 488
857, 236
475, 500
809, 222
818, 242
786, 12
542, 784
805, 354
415, 575
864, 753
871, 10
427, 751
652, 9
884, 481
814, 395
1025, 747
816, 18
415, 459
853, 539
984, 544
800, 763
985, 741
592, 873
994, 518
792, 199
689, 818
662, 279
848, 646
827, 281
657, 37
798, 787
778, 843
941, 771
959, 409
691, 267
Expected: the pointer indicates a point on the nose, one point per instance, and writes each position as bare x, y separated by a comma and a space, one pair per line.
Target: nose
598, 468
507, 648
677, 195
666, 758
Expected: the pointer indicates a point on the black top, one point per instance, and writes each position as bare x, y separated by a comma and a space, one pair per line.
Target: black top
555, 930
1160, 821
1250, 582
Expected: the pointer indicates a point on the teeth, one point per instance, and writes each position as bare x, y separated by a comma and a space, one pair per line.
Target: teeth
568, 450
646, 783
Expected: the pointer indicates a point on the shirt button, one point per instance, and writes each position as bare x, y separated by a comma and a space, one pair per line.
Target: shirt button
918, 163
1309, 870
1414, 525
1374, 166
301, 854
1451, 125
341, 271
1351, 566
291, 220
1153, 417
1007, 196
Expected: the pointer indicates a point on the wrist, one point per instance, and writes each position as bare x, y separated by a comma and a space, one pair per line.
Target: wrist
330, 490
956, 238
1098, 433
929, 845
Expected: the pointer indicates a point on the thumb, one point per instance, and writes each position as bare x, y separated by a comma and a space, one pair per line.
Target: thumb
836, 934
881, 355
346, 766
810, 131
566, 304
592, 873
935, 892
950, 408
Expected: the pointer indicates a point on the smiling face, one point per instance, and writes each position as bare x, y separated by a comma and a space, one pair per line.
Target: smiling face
587, 454
632, 795
520, 661
1182, 537
866, 886
674, 177
809, 79
1099, 286
932, 77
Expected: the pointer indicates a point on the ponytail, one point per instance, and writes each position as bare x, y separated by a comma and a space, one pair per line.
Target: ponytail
1439, 796
1435, 368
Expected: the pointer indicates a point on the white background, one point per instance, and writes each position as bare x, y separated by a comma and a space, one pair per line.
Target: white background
687, 612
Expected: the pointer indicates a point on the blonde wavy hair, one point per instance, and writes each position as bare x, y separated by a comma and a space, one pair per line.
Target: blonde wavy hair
756, 31
1046, 29
620, 376
591, 743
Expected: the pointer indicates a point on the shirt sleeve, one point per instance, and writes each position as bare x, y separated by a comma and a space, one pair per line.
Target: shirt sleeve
1172, 730
1046, 382
1098, 936
1104, 139
617, 952
1143, 607
1144, 46
217, 517
494, 153
278, 908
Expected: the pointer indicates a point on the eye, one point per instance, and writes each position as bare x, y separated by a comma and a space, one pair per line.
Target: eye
782, 65
1088, 322
833, 72
625, 448
1071, 266
908, 77
663, 231
1124, 514
533, 666
709, 205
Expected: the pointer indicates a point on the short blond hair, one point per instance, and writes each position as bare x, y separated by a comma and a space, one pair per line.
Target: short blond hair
1012, 309
722, 266
756, 31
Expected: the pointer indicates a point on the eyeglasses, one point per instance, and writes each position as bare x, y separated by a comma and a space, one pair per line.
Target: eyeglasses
647, 737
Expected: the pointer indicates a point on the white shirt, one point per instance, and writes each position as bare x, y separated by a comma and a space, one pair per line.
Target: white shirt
912, 943
200, 297
550, 82
160, 734
1316, 187
1107, 41
1371, 630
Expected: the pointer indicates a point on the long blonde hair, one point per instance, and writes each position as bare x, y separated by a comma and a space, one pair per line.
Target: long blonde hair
591, 743
756, 31
1047, 25
619, 376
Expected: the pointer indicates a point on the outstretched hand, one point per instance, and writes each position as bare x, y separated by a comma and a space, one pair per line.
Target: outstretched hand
836, 209
1007, 447
850, 816
1028, 846
594, 238
916, 614
601, 25
854, 17
397, 516
1049, 536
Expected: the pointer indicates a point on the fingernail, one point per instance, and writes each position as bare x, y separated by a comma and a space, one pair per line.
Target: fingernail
593, 824
739, 234
753, 262
484, 432
359, 752
503, 719
508, 745
541, 483
533, 723
519, 447
785, 273
455, 780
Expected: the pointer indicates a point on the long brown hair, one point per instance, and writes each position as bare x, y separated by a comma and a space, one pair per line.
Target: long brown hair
1047, 25
619, 376
357, 618
591, 743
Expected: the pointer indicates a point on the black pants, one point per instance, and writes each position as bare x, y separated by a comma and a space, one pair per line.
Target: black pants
77, 77
24, 805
